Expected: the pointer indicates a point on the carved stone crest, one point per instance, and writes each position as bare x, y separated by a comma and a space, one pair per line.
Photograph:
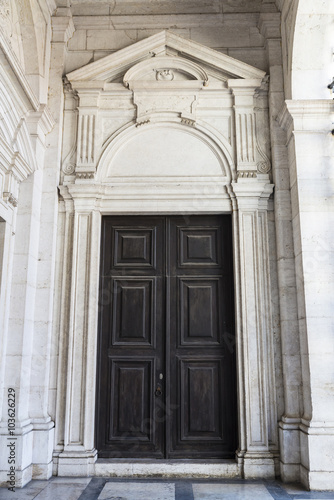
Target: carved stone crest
166, 75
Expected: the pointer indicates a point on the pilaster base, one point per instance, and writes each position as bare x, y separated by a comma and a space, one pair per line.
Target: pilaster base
77, 463
42, 449
289, 436
16, 452
258, 466
317, 480
317, 456
29, 451
22, 477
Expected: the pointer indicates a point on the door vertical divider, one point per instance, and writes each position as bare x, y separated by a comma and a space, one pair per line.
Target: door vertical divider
167, 338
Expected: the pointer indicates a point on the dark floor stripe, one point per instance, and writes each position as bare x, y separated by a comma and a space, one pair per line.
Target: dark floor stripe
317, 495
277, 491
93, 490
183, 491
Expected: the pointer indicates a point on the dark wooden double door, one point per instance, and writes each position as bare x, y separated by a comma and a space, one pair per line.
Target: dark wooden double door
166, 358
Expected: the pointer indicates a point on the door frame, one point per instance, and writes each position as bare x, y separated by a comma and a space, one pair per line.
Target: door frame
254, 344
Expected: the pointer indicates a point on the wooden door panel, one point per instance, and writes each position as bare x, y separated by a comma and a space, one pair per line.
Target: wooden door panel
201, 415
131, 401
202, 387
132, 338
134, 247
166, 381
199, 310
198, 246
134, 311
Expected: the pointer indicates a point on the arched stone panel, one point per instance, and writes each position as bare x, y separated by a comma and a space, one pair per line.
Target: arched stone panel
312, 63
161, 150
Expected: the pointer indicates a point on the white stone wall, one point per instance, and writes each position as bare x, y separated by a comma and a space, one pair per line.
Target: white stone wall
235, 34
29, 173
40, 43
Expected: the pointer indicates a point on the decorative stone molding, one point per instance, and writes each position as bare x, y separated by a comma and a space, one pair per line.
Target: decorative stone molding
246, 138
245, 120
306, 115
184, 102
68, 168
261, 124
165, 75
188, 121
41, 122
85, 175
246, 174
20, 80
8, 197
173, 72
115, 65
86, 140
20, 152
62, 25
70, 122
264, 167
142, 122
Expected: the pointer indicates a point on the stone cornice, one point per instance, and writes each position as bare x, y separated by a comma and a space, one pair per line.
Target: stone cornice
284, 118
18, 71
307, 115
118, 63
62, 25
20, 168
51, 5
252, 195
312, 108
244, 86
270, 24
42, 119
6, 154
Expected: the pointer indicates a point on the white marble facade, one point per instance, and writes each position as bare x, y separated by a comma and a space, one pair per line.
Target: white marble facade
102, 113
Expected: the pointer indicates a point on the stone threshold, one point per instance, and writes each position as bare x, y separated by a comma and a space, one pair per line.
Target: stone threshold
167, 468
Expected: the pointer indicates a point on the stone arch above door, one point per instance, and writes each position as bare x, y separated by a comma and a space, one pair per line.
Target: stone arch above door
166, 78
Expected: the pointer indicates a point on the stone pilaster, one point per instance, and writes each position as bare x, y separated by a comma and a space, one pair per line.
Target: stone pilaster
78, 455
254, 330
43, 344
308, 124
270, 28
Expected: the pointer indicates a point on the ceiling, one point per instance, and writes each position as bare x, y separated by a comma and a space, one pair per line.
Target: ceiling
156, 7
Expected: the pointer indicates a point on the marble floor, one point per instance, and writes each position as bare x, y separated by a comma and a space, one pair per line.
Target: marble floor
60, 488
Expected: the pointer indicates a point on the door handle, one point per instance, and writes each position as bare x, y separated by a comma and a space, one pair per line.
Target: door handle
158, 391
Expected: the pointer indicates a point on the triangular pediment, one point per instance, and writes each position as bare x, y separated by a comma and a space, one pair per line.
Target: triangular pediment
165, 45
